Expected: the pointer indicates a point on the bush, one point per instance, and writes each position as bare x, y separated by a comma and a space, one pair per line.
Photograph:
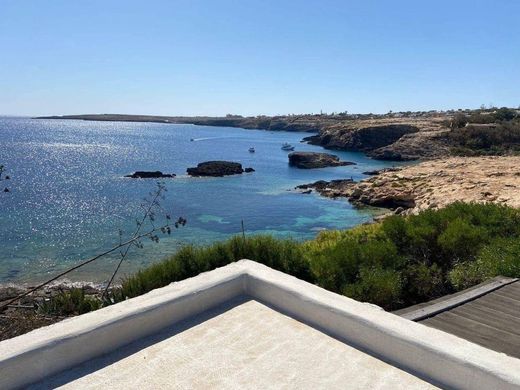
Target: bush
72, 302
422, 283
459, 120
336, 258
283, 255
376, 285
505, 114
501, 257
497, 138
460, 240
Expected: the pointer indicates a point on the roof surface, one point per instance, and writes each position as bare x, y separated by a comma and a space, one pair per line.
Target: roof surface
244, 345
488, 314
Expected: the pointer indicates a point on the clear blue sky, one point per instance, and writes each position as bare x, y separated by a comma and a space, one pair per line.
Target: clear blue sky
256, 57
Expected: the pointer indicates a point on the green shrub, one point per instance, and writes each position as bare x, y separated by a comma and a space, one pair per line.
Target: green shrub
501, 257
505, 114
376, 285
72, 302
422, 283
495, 138
450, 234
461, 240
283, 255
336, 258
336, 264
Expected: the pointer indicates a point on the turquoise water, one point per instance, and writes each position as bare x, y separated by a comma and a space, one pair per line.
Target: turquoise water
69, 198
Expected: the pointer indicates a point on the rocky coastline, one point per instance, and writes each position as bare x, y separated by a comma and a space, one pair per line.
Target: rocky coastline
397, 137
432, 184
439, 141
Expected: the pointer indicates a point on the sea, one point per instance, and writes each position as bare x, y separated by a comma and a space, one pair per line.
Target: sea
69, 200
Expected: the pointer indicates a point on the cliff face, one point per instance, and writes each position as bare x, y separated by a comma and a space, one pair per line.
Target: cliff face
363, 139
423, 145
387, 139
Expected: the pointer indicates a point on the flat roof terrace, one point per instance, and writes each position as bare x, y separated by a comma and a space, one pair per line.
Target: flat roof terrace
248, 326
241, 344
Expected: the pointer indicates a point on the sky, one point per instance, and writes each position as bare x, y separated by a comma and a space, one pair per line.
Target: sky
214, 57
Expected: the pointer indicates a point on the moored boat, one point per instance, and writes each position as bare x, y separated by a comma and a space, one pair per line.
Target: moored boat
287, 146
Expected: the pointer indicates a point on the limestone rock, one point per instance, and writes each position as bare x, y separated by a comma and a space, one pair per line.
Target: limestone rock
216, 169
309, 160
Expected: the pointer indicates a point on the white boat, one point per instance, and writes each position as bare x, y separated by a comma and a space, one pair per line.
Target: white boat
251, 150
287, 146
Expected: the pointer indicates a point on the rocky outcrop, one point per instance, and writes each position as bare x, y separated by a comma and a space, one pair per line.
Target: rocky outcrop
330, 189
217, 169
434, 184
309, 160
398, 139
422, 145
150, 175
363, 139
389, 197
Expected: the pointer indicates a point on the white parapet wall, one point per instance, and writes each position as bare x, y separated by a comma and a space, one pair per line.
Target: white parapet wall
438, 357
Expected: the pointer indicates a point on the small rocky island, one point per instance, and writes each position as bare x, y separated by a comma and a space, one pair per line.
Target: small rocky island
310, 160
150, 175
217, 169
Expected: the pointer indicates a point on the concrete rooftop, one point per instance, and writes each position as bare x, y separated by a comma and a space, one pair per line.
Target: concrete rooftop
248, 326
242, 344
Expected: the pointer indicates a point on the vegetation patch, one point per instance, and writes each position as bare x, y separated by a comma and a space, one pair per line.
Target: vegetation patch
395, 263
485, 133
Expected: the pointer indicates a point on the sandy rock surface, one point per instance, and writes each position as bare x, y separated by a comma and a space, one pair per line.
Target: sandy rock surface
435, 184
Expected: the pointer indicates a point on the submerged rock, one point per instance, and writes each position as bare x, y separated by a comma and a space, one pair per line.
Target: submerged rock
309, 160
217, 169
248, 170
150, 175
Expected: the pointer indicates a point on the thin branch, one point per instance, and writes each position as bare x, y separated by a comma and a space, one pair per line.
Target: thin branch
139, 226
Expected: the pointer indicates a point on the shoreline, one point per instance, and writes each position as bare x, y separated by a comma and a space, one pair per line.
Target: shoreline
390, 137
28, 313
432, 184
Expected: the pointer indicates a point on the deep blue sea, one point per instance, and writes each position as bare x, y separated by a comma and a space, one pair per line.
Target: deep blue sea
69, 198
